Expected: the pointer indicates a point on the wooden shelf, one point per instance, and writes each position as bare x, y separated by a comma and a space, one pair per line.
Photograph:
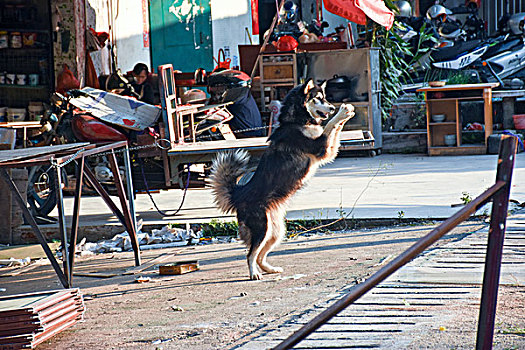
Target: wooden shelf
17, 27
24, 86
442, 123
480, 97
450, 106
355, 104
280, 83
285, 63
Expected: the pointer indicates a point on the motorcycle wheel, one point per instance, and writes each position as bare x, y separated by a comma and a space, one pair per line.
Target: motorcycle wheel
41, 190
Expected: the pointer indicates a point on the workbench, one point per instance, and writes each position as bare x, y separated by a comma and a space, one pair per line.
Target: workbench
508, 101
57, 157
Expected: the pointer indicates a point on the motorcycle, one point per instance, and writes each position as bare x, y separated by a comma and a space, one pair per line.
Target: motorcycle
64, 123
507, 58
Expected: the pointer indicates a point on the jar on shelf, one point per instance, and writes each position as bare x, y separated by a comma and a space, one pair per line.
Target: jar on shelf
16, 40
29, 39
4, 40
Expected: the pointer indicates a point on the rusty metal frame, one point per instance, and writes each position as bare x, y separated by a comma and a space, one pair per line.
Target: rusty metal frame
499, 195
65, 274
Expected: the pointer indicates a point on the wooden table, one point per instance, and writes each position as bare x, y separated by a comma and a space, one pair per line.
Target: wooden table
445, 100
57, 157
21, 125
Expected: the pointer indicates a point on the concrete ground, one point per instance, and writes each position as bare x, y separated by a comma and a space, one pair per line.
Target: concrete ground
387, 186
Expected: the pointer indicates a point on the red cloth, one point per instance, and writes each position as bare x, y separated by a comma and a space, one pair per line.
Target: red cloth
377, 11
255, 17
66, 80
357, 11
346, 9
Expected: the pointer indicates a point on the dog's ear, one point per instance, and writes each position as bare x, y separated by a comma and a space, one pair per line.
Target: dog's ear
323, 86
309, 86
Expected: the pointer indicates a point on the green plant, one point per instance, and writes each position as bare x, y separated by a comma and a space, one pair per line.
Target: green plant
466, 198
460, 77
396, 59
221, 228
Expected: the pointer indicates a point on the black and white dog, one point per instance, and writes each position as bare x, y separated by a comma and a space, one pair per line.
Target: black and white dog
297, 148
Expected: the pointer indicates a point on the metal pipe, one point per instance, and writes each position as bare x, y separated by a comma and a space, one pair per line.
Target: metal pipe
76, 212
393, 266
129, 187
62, 221
29, 218
489, 294
125, 208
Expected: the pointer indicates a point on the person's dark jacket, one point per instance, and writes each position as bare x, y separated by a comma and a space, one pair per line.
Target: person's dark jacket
246, 115
145, 92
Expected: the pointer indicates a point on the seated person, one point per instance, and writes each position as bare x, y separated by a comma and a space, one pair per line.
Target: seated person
143, 90
234, 86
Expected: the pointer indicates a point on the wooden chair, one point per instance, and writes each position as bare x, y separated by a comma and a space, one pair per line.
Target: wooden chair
180, 120
172, 113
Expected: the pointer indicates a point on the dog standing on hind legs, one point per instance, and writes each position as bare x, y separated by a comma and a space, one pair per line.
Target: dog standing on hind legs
297, 148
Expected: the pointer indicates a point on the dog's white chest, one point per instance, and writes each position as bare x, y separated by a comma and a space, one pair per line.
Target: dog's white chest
312, 131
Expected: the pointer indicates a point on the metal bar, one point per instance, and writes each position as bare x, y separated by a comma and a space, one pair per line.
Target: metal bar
62, 221
102, 193
104, 148
267, 39
76, 209
125, 208
489, 294
29, 218
393, 266
129, 187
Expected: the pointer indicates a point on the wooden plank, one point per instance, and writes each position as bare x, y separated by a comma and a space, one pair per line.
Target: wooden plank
26, 268
247, 143
95, 274
508, 93
460, 87
220, 145
19, 125
33, 251
147, 265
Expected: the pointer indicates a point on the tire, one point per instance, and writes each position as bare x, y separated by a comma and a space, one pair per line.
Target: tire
41, 190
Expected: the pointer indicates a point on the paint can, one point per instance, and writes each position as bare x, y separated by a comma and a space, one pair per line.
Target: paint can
21, 79
33, 79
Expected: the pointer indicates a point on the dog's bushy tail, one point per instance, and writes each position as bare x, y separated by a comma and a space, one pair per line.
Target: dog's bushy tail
227, 167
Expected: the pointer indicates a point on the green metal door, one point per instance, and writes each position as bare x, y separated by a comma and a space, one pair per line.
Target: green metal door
181, 34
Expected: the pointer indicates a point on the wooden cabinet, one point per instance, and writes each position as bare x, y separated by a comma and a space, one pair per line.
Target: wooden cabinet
276, 71
452, 135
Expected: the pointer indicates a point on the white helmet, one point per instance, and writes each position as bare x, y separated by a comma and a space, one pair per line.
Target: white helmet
438, 11
404, 8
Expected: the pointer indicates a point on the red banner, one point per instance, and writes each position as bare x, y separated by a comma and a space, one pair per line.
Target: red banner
357, 11
145, 24
255, 17
346, 9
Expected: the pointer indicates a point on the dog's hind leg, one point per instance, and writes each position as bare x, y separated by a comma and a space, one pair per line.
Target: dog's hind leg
256, 228
277, 229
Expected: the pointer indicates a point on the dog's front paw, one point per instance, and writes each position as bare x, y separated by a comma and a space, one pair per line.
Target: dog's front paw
347, 110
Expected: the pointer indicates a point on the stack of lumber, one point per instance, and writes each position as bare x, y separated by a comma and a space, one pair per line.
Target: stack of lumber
27, 320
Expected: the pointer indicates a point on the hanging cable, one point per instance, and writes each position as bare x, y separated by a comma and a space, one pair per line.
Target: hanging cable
165, 213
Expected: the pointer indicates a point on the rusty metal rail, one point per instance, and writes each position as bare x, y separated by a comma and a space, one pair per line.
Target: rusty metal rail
499, 195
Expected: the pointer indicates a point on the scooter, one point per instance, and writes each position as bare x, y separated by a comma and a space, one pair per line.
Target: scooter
508, 57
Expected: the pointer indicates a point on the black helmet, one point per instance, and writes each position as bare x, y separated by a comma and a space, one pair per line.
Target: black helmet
228, 85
